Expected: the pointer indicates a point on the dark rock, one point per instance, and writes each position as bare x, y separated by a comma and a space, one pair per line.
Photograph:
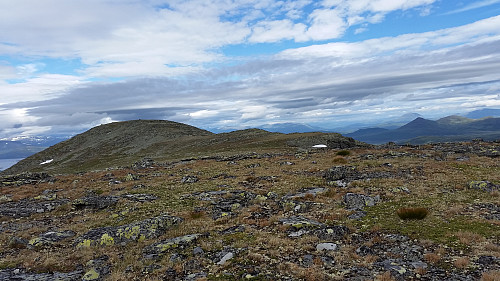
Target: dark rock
357, 215
355, 201
21, 275
160, 248
312, 191
95, 202
17, 242
28, 207
97, 269
195, 276
192, 266
344, 173
487, 260
26, 178
170, 274
364, 250
483, 186
49, 238
233, 229
198, 251
307, 260
332, 233
140, 197
189, 179
122, 235
144, 163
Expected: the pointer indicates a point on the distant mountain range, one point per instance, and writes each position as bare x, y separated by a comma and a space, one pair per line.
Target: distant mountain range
420, 130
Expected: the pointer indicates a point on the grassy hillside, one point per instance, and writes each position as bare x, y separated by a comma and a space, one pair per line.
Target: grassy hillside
123, 143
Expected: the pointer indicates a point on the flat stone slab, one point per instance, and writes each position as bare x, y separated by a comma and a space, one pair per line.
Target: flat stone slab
122, 235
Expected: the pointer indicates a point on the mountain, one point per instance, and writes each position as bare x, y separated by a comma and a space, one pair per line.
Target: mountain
287, 128
485, 112
16, 149
420, 130
123, 143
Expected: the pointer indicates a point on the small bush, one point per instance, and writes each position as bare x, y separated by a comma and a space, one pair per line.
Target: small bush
412, 213
339, 160
343, 153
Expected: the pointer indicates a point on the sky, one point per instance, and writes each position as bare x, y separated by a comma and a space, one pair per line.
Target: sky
67, 66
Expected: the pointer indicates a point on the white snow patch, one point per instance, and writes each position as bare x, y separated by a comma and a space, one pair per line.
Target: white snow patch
320, 146
46, 162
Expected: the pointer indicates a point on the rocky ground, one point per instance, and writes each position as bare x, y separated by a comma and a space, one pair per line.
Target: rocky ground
313, 215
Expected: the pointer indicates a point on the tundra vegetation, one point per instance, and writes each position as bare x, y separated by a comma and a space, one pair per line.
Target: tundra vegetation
303, 215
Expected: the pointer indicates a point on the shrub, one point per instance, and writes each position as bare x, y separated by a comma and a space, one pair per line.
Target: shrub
412, 213
343, 152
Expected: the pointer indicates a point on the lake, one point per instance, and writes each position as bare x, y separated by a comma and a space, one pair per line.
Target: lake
6, 163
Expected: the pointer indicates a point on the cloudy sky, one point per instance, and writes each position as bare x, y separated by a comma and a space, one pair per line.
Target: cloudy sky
66, 66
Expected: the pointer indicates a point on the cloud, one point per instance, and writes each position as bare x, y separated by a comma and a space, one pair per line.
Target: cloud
473, 6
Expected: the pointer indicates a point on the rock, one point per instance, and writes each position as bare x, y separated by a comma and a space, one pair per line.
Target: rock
95, 202
28, 207
483, 186
326, 247
140, 197
160, 248
357, 215
225, 258
355, 201
487, 260
17, 242
15, 274
307, 260
299, 222
344, 173
143, 164
97, 269
198, 251
26, 178
189, 179
49, 238
312, 191
195, 276
364, 250
122, 235
332, 233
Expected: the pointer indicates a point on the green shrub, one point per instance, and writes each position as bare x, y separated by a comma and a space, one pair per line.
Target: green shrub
343, 152
412, 213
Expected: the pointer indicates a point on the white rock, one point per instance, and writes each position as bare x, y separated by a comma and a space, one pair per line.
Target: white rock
226, 257
320, 146
326, 247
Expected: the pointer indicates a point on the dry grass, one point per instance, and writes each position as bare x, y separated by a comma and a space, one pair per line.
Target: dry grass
491, 276
386, 276
469, 238
462, 262
432, 258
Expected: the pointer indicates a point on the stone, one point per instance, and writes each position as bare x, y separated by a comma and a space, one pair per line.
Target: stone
140, 197
483, 186
95, 202
49, 238
355, 201
225, 258
28, 207
160, 248
326, 247
189, 179
124, 234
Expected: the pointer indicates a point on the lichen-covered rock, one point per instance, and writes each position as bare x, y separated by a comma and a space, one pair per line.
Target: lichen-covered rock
22, 275
189, 179
28, 207
346, 173
483, 186
95, 202
122, 235
157, 249
140, 197
355, 201
26, 178
49, 238
97, 269
305, 192
332, 233
300, 225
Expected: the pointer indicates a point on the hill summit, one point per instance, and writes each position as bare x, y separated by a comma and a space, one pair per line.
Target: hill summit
123, 143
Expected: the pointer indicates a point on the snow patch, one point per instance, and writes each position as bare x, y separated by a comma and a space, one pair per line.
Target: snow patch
46, 162
320, 146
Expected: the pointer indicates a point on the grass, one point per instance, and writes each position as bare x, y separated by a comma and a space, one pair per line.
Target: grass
412, 213
436, 186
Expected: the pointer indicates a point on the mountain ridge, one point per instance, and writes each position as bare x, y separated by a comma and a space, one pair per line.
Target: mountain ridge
123, 143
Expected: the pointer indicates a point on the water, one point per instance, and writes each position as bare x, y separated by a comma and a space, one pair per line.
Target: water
7, 163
